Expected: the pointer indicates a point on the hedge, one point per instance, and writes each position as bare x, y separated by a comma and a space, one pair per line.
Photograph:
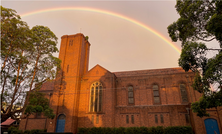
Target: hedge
120, 130
137, 130
14, 130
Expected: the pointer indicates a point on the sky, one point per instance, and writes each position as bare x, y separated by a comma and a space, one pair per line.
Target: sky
117, 44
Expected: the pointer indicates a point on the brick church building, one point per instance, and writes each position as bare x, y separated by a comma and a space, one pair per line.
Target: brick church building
100, 98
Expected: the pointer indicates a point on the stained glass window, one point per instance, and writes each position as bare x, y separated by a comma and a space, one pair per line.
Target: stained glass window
95, 104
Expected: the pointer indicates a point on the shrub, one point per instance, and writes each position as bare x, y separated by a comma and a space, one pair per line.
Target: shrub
137, 130
15, 130
144, 130
178, 130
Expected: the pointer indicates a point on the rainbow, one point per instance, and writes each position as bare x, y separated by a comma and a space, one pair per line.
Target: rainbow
108, 13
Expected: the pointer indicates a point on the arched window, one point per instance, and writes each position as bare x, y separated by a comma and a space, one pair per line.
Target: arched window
156, 95
60, 126
96, 97
130, 95
183, 93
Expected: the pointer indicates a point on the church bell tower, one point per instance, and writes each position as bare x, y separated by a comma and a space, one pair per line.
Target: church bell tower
74, 54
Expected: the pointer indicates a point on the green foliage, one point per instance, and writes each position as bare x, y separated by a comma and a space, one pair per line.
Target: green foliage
194, 16
157, 130
198, 83
137, 130
214, 25
200, 106
200, 21
193, 56
87, 38
178, 130
144, 130
214, 73
37, 104
27, 60
120, 130
14, 130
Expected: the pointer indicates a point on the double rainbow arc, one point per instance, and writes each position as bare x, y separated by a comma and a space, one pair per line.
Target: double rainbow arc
108, 13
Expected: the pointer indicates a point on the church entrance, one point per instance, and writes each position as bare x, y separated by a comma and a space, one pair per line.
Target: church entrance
60, 125
211, 126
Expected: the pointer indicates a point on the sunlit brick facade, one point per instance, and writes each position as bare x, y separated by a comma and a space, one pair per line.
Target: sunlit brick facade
100, 98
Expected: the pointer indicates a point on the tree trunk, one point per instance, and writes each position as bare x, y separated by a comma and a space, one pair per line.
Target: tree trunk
5, 59
35, 68
27, 98
15, 90
3, 89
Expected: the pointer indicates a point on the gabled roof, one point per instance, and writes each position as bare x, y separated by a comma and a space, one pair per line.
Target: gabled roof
7, 122
98, 66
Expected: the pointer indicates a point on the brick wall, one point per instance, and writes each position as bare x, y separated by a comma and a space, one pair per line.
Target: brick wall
71, 94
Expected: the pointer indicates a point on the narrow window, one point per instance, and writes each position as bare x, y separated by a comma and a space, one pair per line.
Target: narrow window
130, 95
161, 118
70, 42
183, 93
67, 68
156, 95
91, 100
92, 119
96, 99
187, 118
156, 119
132, 119
127, 119
95, 104
97, 119
100, 97
38, 115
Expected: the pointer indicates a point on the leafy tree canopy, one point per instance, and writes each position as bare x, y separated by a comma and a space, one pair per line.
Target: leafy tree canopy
200, 21
26, 61
38, 104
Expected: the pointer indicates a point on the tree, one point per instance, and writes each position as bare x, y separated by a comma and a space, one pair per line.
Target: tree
200, 21
38, 104
27, 60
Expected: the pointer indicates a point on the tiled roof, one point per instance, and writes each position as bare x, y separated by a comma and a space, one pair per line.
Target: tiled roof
7, 122
49, 85
150, 72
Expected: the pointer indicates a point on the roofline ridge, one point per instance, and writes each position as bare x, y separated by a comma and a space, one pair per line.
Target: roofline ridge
150, 69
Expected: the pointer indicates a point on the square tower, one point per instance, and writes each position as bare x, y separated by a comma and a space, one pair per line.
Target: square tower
74, 54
